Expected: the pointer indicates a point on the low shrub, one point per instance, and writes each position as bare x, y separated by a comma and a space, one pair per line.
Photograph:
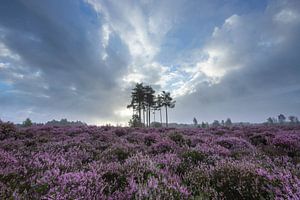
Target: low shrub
7, 130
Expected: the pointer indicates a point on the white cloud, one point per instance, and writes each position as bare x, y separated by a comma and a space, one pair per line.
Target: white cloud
6, 53
4, 65
287, 16
143, 31
244, 61
239, 41
105, 33
132, 28
133, 78
123, 112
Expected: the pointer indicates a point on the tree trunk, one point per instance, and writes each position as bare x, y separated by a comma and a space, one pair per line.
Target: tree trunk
140, 114
166, 116
147, 116
154, 115
144, 116
149, 112
160, 117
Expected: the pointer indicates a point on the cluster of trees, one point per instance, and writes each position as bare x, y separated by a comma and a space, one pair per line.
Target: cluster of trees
144, 101
202, 125
65, 122
214, 124
281, 119
62, 122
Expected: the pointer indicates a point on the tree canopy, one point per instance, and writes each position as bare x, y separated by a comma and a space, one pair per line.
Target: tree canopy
144, 101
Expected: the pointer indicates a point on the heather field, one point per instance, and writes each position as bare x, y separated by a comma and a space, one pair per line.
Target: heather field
89, 162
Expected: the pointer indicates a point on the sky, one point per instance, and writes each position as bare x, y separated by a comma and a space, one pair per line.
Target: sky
79, 59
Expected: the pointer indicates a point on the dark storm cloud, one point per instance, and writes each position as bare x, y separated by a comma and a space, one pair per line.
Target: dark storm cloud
59, 45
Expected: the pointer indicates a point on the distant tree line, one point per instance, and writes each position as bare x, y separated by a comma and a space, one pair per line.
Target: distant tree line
215, 123
63, 122
144, 101
281, 119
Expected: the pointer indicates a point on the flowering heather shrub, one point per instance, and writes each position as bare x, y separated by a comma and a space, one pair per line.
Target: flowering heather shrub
150, 139
259, 139
6, 130
238, 147
177, 138
241, 181
287, 141
89, 162
233, 143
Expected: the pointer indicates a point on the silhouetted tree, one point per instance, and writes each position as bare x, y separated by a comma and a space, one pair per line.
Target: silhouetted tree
137, 99
132, 105
281, 118
143, 100
228, 122
149, 101
223, 123
204, 125
216, 123
27, 123
270, 120
167, 102
135, 121
63, 121
293, 119
159, 104
195, 121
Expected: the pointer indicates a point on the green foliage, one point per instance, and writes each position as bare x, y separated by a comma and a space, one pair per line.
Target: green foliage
195, 121
216, 123
228, 122
7, 129
121, 154
135, 121
198, 181
120, 132
204, 125
193, 156
270, 120
225, 143
147, 174
143, 99
177, 138
41, 189
229, 181
115, 182
149, 140
27, 123
156, 124
281, 118
190, 159
258, 140
167, 100
235, 183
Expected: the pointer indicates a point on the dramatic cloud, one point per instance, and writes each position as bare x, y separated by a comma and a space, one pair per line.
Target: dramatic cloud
54, 60
253, 66
79, 58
